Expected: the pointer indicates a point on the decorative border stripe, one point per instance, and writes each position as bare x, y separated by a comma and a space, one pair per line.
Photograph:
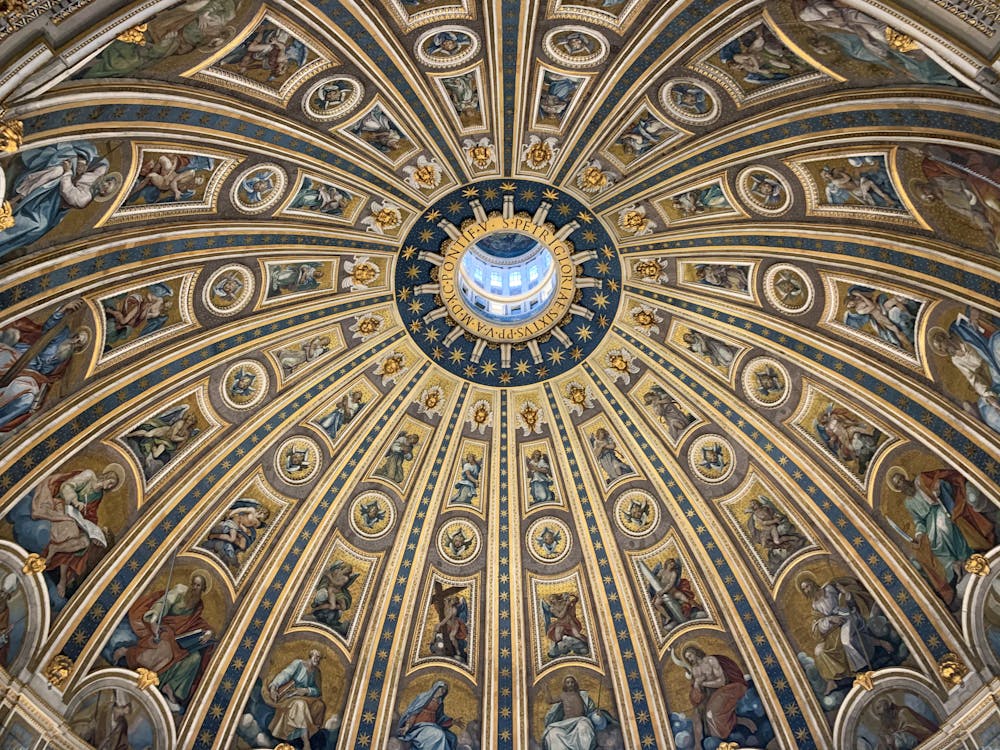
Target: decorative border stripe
623, 641
374, 695
879, 568
508, 539
889, 120
793, 713
264, 610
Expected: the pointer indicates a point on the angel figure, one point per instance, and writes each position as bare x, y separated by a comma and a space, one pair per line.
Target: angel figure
346, 409
608, 456
399, 452
672, 595
540, 478
451, 634
157, 440
233, 536
170, 177
332, 596
303, 353
562, 626
467, 485
772, 530
270, 49
850, 438
668, 410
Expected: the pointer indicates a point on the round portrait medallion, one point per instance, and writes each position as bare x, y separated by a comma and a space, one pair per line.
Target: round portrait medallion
229, 289
636, 513
372, 514
711, 458
575, 46
548, 540
459, 541
333, 98
297, 460
446, 46
244, 385
689, 100
764, 190
765, 381
258, 188
788, 289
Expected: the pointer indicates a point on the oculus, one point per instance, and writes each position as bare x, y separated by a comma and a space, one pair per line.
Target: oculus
507, 276
507, 283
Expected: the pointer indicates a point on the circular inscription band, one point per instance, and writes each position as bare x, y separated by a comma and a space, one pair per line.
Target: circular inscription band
473, 321
507, 282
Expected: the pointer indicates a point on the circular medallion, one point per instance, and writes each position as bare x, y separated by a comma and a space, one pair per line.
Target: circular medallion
244, 385
297, 460
575, 46
458, 541
446, 46
711, 458
689, 100
636, 513
333, 98
788, 289
372, 514
548, 540
490, 271
258, 188
765, 381
764, 190
229, 289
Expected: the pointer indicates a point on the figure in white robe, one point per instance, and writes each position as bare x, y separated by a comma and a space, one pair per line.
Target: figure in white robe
573, 721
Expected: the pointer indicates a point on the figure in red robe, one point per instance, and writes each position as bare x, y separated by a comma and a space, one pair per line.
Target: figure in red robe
717, 686
173, 639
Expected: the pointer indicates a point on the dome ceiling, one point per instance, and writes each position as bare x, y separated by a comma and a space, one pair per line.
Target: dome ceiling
270, 478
